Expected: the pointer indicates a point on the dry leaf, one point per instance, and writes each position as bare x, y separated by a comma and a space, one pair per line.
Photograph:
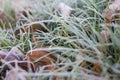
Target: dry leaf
24, 65
14, 54
14, 59
97, 68
42, 58
64, 10
18, 6
16, 75
111, 13
3, 54
21, 8
61, 78
19, 15
31, 28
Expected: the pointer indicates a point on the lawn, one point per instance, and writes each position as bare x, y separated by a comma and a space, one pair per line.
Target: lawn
59, 40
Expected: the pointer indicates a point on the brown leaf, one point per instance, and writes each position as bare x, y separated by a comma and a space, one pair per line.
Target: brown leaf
22, 13
61, 78
16, 74
97, 68
14, 54
32, 28
24, 65
41, 58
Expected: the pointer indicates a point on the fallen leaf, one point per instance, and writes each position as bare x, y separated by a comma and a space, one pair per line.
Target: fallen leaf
24, 65
19, 15
14, 54
65, 10
31, 28
16, 74
41, 58
14, 59
111, 13
3, 54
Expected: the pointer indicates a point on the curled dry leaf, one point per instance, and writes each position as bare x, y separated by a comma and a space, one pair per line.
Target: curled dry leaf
64, 10
42, 58
16, 74
14, 54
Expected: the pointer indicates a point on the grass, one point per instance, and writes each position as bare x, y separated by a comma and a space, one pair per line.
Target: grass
76, 40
